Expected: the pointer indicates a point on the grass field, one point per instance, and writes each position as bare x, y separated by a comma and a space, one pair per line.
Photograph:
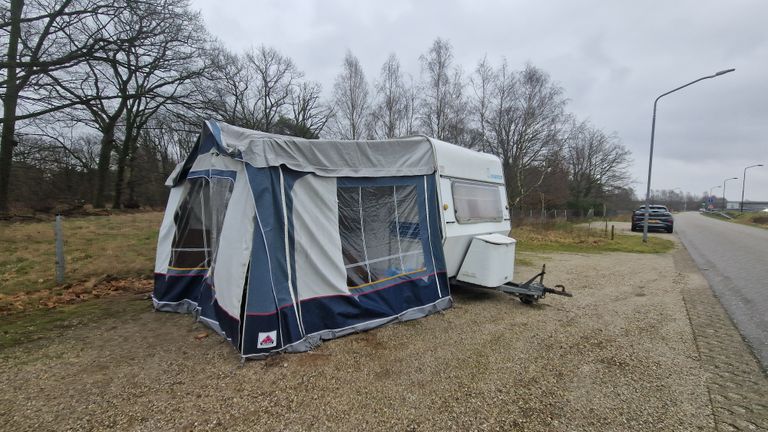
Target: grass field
96, 248
567, 237
120, 245
758, 219
100, 249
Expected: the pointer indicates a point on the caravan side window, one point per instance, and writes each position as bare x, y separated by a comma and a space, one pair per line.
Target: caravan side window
199, 220
476, 202
380, 233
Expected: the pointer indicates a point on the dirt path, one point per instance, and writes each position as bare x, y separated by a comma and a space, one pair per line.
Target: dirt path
620, 355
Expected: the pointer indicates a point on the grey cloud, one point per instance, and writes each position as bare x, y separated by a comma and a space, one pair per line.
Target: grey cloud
612, 58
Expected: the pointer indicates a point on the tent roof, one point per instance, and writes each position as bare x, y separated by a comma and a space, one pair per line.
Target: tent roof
325, 157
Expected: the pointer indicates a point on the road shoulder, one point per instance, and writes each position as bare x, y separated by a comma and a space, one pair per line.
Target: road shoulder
737, 386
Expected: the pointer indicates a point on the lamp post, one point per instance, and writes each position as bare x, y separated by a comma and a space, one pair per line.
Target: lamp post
725, 202
743, 184
650, 157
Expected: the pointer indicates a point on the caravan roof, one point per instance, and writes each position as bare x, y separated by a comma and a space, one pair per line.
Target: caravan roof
414, 155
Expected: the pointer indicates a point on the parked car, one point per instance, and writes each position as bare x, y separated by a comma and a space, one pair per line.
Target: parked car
659, 217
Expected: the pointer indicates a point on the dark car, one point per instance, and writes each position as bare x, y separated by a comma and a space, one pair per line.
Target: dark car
658, 218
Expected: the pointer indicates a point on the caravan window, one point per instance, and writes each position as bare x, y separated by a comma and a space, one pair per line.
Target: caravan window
198, 221
380, 234
477, 202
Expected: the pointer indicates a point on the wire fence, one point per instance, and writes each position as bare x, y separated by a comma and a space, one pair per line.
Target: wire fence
545, 215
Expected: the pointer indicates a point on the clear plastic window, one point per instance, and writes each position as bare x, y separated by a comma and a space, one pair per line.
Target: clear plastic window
477, 202
380, 233
199, 220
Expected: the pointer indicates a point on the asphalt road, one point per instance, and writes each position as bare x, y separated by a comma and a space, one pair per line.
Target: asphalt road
734, 259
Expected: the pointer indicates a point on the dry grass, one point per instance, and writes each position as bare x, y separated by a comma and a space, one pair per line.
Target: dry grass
752, 218
566, 237
120, 245
758, 219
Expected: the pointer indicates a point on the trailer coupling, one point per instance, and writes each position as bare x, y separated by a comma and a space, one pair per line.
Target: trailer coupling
533, 289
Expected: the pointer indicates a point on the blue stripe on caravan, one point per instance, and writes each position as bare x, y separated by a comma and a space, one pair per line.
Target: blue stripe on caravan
228, 324
171, 288
215, 141
338, 312
284, 322
268, 251
268, 276
435, 252
205, 302
208, 140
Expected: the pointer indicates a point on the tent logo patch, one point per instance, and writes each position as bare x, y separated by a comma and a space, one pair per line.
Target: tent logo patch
267, 340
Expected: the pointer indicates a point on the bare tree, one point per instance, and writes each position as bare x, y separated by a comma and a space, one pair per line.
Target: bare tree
410, 119
227, 92
39, 38
597, 163
166, 63
442, 113
309, 113
390, 108
524, 117
134, 77
350, 96
483, 81
261, 90
275, 76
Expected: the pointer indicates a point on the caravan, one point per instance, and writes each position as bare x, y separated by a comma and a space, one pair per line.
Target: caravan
278, 243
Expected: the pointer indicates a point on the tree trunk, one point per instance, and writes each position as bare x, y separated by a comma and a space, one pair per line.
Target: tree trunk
125, 149
105, 157
131, 201
6, 149
10, 100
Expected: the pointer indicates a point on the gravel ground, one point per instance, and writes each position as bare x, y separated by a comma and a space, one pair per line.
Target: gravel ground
620, 355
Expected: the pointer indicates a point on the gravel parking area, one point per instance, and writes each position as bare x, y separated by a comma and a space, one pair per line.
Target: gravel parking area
620, 355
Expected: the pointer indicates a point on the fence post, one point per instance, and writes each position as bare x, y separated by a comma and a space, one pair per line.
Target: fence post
612, 227
59, 250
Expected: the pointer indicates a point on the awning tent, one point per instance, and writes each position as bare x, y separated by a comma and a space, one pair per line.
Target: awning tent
278, 243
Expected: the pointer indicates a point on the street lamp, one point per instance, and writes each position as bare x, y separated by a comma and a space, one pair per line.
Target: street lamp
725, 202
743, 183
650, 157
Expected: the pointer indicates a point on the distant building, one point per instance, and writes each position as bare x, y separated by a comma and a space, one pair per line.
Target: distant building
748, 205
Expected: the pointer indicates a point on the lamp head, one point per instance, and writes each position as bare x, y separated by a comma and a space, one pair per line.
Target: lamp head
723, 72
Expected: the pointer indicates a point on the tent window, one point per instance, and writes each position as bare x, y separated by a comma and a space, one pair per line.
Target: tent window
380, 233
477, 202
198, 221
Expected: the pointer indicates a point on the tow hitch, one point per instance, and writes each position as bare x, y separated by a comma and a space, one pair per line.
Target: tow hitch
533, 289
530, 291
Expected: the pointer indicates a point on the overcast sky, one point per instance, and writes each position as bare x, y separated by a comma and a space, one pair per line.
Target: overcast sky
612, 58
